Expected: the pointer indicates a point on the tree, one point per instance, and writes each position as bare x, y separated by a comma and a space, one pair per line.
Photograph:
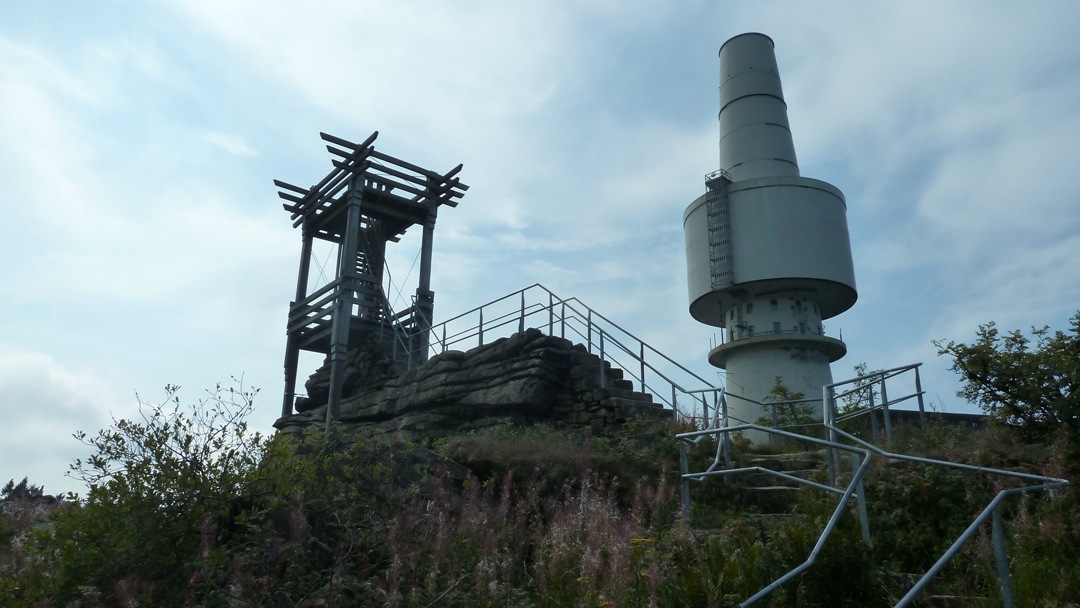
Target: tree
159, 487
789, 404
1025, 383
863, 392
21, 491
788, 410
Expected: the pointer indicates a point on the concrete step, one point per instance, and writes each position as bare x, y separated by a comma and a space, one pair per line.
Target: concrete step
629, 394
626, 409
767, 493
793, 461
766, 479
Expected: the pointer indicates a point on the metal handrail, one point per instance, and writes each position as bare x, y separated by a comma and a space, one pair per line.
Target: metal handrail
854, 488
598, 334
1046, 483
716, 174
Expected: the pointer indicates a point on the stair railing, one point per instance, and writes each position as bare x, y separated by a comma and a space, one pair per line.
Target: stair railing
671, 384
862, 452
1044, 484
866, 389
860, 462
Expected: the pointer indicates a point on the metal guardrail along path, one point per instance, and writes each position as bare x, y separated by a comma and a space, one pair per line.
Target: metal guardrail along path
670, 383
862, 453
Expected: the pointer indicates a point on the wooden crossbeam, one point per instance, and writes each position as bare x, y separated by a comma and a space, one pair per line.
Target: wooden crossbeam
348, 144
401, 163
353, 160
288, 186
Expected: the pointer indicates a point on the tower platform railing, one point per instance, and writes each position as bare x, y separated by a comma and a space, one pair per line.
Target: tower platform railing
670, 383
744, 333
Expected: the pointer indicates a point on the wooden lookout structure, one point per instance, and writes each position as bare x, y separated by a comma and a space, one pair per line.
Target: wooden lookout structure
366, 201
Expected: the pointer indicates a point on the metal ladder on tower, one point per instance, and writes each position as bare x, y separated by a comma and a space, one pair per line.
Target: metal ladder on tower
716, 205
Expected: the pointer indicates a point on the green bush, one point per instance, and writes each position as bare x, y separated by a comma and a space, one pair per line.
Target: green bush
187, 507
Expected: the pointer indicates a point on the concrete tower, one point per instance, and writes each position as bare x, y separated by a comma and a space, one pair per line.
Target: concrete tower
768, 254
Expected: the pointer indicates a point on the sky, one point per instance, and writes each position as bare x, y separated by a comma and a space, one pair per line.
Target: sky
144, 245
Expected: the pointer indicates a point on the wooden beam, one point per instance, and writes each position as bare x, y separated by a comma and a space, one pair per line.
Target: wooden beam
344, 142
452, 172
288, 186
401, 163
412, 178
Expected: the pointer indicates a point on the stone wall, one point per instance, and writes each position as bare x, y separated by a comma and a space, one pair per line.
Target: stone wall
528, 378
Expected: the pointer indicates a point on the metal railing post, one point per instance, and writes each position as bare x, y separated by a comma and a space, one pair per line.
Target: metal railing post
641, 359
1002, 560
551, 314
873, 415
830, 421
725, 423
481, 328
603, 377
684, 468
674, 404
885, 411
562, 320
444, 337
521, 319
918, 391
774, 419
860, 497
588, 328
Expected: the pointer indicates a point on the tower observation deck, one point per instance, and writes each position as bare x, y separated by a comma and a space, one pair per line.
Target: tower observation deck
768, 253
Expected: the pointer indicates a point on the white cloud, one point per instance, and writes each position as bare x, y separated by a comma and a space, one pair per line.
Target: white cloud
231, 143
46, 402
146, 231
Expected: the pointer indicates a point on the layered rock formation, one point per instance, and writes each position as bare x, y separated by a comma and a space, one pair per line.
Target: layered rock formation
527, 378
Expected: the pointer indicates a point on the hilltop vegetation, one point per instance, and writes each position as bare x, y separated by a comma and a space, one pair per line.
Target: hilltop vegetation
189, 507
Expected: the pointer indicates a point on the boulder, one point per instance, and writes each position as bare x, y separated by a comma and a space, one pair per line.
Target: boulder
527, 378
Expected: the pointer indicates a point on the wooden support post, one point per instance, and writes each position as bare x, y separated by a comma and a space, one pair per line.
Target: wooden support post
341, 323
425, 298
292, 349
339, 348
292, 361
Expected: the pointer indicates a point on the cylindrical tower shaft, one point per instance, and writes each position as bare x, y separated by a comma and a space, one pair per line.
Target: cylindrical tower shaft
768, 253
755, 138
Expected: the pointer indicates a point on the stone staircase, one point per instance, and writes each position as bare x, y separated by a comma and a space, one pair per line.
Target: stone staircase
600, 406
526, 378
770, 494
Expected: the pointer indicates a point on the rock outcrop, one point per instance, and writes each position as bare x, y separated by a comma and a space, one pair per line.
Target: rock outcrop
527, 378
